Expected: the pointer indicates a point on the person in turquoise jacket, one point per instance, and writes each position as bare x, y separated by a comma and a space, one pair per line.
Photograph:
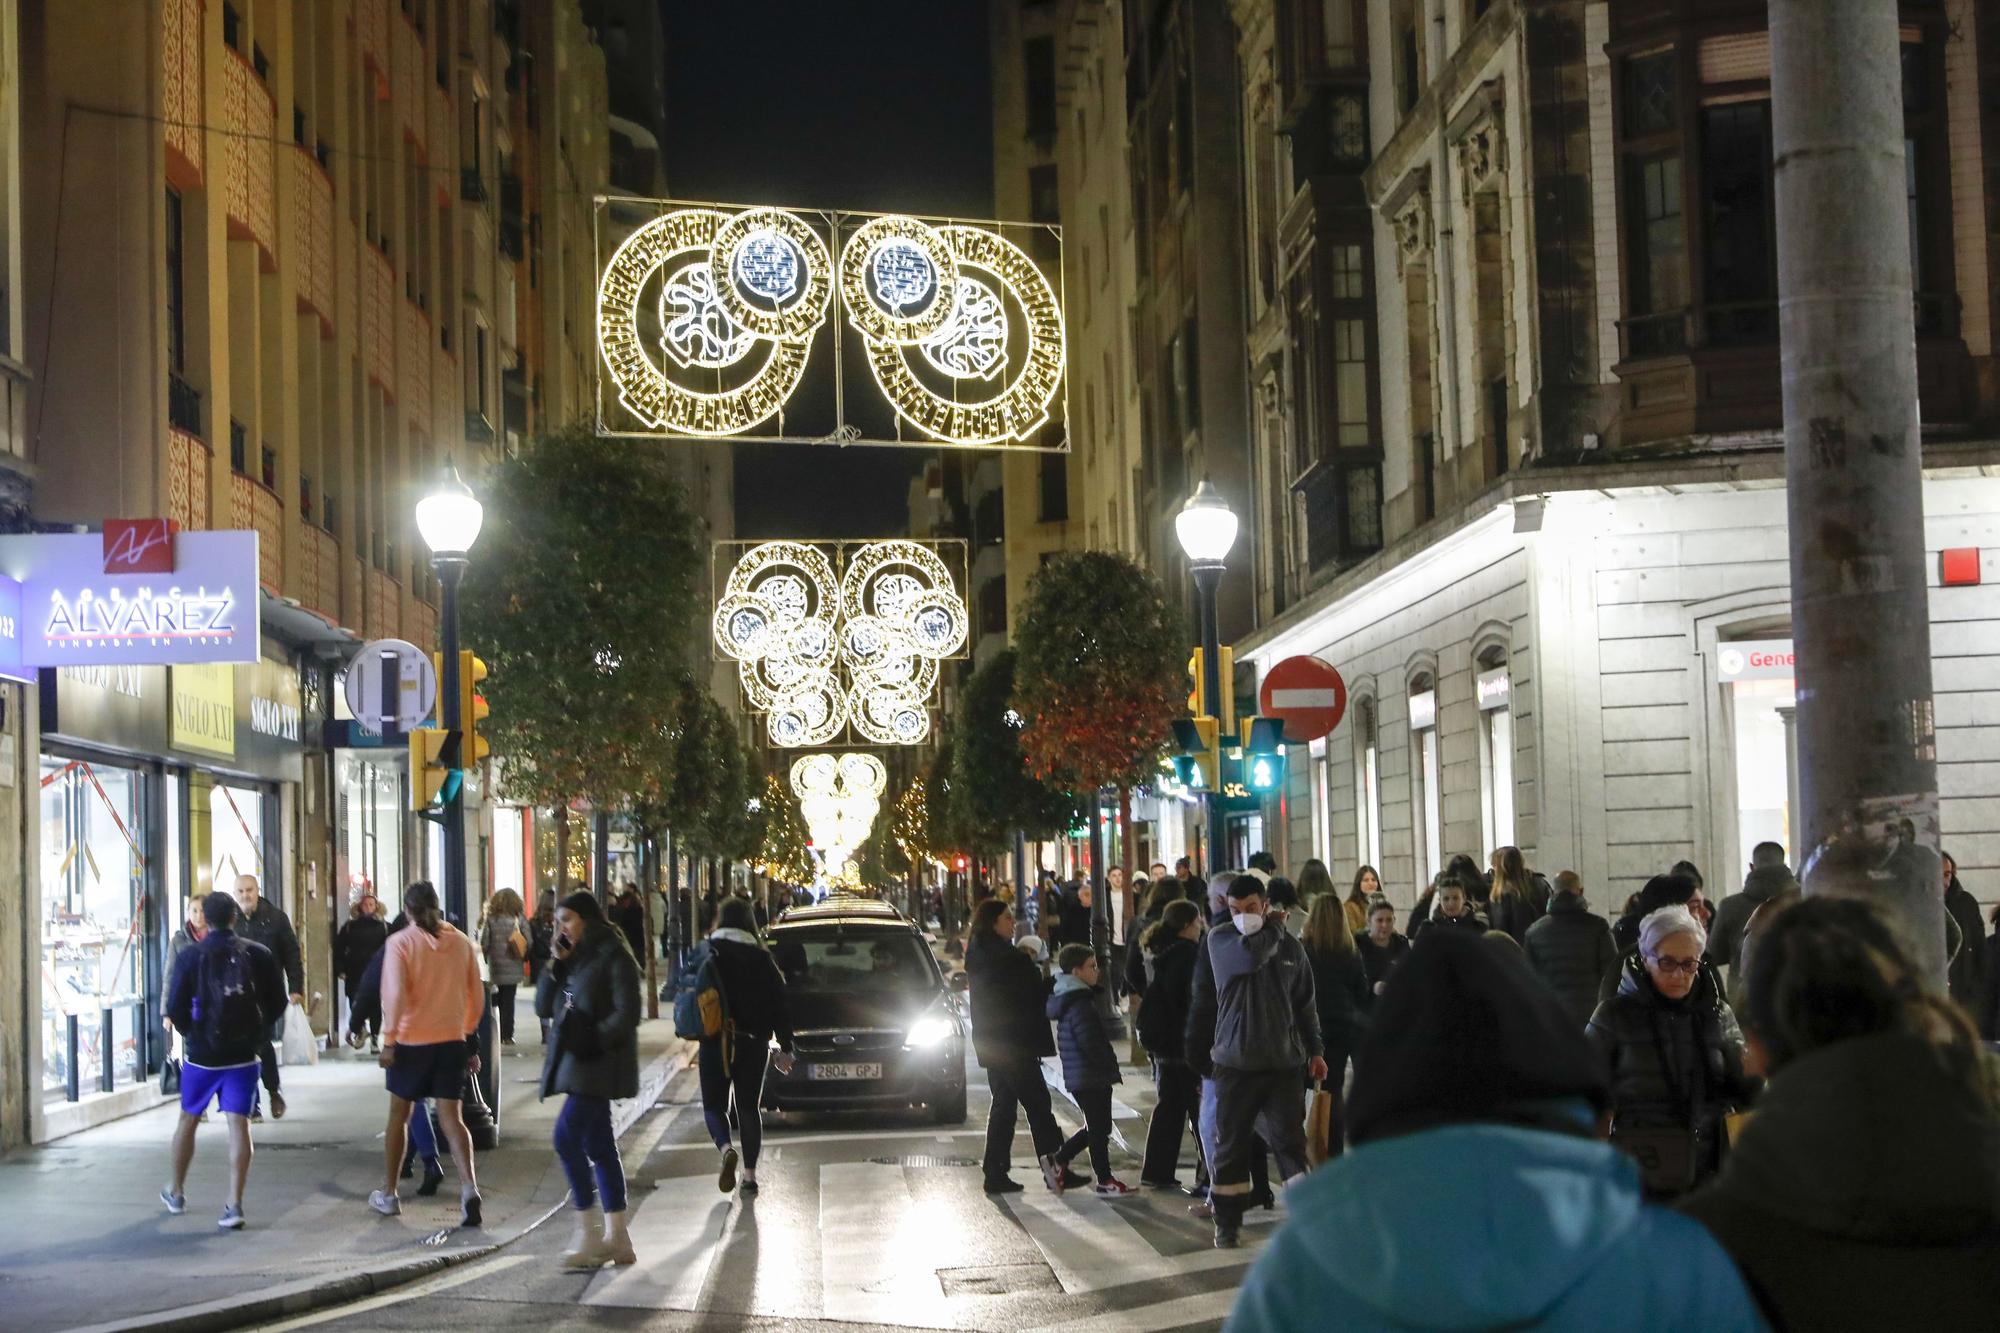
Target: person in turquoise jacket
1479, 1194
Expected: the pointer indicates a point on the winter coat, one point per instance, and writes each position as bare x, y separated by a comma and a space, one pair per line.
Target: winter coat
600, 981
1253, 1005
541, 939
502, 967
1571, 950
1357, 916
1008, 992
1725, 933
1865, 1191
1517, 916
1340, 993
359, 940
1074, 927
177, 944
1471, 921
184, 994
1088, 1060
1134, 971
1171, 991
630, 918
1967, 973
1483, 1226
1377, 962
753, 987
1675, 1065
270, 927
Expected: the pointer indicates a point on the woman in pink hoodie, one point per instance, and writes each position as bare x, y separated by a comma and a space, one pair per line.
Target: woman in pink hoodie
432, 999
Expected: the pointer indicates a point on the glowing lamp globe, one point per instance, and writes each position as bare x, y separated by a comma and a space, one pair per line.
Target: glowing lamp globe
1205, 526
449, 517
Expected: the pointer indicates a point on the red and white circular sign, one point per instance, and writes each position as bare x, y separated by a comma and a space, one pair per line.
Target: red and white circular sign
1306, 694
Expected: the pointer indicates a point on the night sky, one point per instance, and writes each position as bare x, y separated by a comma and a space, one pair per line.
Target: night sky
866, 104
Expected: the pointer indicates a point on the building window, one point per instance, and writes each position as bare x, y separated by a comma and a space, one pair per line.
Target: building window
1367, 785
1338, 46
1739, 280
1044, 196
1496, 749
1658, 247
1409, 66
176, 287
1322, 800
1350, 383
1054, 488
1425, 775
1038, 55
993, 607
1349, 279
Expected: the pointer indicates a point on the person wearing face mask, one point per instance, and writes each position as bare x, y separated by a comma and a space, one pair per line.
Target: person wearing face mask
1253, 1028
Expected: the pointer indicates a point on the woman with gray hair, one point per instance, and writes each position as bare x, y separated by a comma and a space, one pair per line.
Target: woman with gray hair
1675, 1055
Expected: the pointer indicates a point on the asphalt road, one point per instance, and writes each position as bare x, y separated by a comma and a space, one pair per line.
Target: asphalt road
864, 1222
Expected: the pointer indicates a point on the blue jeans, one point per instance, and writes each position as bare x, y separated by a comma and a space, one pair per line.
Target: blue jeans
588, 1151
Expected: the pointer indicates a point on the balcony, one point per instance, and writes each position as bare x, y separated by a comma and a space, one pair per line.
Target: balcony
419, 622
188, 466
250, 124
383, 617
319, 574
310, 235
471, 185
410, 76
510, 217
183, 406
255, 505
353, 593
181, 91
378, 315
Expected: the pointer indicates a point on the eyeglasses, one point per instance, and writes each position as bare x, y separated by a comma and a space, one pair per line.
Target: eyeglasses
1687, 967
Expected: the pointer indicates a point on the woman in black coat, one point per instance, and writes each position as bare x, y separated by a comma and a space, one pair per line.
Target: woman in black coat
1341, 994
1675, 1055
360, 939
589, 993
1381, 949
753, 997
1172, 944
1010, 1035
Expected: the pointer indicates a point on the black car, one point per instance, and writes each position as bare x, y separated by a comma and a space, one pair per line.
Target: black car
875, 1022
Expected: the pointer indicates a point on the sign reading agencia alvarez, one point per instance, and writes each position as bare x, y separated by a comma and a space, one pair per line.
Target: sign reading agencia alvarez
82, 604
719, 321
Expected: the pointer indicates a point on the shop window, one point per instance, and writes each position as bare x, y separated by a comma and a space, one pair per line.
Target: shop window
1496, 749
1367, 785
1426, 775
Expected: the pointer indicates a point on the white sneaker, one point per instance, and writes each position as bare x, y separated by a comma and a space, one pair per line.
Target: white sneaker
588, 1250
386, 1204
617, 1241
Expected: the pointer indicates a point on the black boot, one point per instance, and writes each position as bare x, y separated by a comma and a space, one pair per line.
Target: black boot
1228, 1220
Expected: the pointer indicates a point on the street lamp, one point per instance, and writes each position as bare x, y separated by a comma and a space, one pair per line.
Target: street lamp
1206, 528
448, 520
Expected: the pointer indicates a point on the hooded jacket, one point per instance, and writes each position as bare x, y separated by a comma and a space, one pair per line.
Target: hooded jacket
1485, 1226
1725, 933
753, 987
1088, 1060
1253, 1003
1169, 993
1865, 1191
1571, 950
1008, 992
600, 979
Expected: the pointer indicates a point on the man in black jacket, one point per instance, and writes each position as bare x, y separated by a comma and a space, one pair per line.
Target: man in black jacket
1768, 875
222, 996
1571, 948
264, 922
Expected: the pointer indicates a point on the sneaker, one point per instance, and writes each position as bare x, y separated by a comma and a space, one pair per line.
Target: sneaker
468, 1207
374, 1045
1198, 1190
506, 1041
176, 1203
354, 1041
277, 1105
232, 1217
1052, 1172
1159, 1184
433, 1177
1203, 1210
386, 1204
256, 1115
726, 1181
748, 1189
1113, 1189
1004, 1187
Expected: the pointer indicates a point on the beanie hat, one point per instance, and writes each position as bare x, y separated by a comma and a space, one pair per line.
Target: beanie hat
1466, 1032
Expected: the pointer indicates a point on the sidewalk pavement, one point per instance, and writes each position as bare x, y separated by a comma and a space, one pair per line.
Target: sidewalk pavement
85, 1241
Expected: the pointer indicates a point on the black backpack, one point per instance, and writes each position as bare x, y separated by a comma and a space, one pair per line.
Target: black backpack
226, 1006
1154, 1021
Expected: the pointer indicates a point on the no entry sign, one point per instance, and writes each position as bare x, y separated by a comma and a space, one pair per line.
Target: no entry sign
1306, 694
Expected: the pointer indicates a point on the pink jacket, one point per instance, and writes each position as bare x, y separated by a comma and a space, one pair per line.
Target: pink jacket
431, 990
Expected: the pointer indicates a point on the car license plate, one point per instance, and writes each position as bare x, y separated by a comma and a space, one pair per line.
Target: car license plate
845, 1072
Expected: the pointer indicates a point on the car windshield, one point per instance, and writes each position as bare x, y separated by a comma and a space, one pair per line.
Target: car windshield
847, 960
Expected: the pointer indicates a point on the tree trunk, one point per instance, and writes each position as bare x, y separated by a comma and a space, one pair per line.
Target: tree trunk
561, 878
648, 892
1853, 465
1128, 851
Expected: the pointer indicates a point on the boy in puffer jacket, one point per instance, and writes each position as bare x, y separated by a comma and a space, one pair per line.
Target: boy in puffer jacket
1089, 1064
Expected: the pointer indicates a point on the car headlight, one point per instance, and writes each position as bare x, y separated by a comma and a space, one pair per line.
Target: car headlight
928, 1031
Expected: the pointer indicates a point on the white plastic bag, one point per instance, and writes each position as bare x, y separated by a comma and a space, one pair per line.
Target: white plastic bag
298, 1047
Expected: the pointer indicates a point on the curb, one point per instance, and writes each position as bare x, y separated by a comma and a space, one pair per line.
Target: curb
308, 1295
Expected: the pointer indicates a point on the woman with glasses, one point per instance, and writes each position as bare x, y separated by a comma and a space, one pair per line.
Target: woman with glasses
1675, 1053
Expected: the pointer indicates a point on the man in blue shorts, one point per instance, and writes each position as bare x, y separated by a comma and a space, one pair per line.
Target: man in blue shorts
224, 996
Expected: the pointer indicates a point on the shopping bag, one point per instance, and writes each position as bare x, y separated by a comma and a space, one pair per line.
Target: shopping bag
170, 1077
298, 1047
1319, 1125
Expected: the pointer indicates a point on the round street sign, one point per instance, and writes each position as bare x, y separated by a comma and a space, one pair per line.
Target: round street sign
391, 682
1306, 694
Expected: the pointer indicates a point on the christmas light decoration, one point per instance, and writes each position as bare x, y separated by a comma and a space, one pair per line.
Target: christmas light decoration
839, 797
777, 620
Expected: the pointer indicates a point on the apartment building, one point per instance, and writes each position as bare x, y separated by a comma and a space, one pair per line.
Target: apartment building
281, 261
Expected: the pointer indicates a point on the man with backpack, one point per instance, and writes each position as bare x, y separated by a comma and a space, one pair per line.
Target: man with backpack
224, 996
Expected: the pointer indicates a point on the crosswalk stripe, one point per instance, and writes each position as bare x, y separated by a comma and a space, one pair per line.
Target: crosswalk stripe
1152, 1318
676, 1228
869, 1227
1091, 1246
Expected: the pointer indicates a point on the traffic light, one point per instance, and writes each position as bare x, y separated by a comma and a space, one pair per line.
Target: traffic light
1197, 701
472, 708
434, 770
1263, 754
1199, 763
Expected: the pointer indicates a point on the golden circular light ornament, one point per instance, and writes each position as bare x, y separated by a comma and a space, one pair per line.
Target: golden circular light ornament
1021, 408
869, 285
795, 315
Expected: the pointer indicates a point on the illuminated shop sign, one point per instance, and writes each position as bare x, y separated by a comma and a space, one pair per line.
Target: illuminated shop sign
72, 612
1755, 659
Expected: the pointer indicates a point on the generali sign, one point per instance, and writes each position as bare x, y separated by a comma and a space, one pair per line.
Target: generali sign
137, 593
1755, 659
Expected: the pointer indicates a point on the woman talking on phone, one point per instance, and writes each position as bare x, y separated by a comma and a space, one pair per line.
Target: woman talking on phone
589, 996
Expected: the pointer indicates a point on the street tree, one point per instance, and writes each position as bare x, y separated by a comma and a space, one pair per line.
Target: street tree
581, 598
986, 739
784, 850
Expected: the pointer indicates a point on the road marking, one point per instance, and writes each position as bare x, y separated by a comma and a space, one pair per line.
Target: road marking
429, 1286
1151, 1318
870, 1226
774, 1141
1090, 1244
677, 1228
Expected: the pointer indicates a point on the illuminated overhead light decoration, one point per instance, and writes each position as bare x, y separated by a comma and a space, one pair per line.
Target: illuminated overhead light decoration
839, 798
732, 285
818, 653
940, 294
